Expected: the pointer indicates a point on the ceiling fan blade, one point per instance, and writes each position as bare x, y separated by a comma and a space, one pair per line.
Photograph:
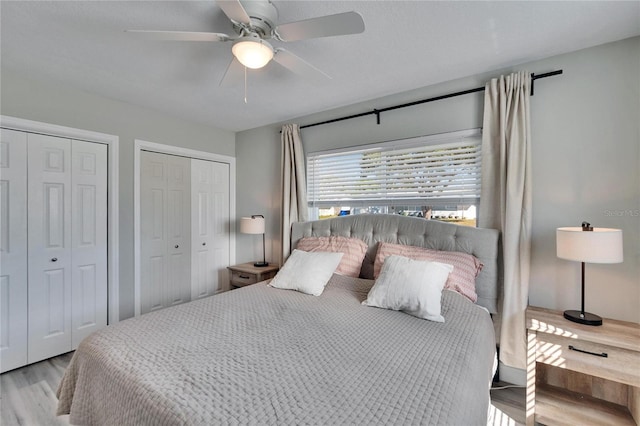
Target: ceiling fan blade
298, 65
180, 35
324, 26
235, 11
234, 75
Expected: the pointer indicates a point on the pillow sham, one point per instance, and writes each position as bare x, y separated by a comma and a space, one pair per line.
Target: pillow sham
306, 272
354, 251
466, 267
411, 286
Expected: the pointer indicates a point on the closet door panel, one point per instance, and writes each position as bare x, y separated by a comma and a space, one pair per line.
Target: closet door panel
49, 246
203, 272
178, 288
89, 239
210, 227
221, 223
165, 275
153, 229
13, 249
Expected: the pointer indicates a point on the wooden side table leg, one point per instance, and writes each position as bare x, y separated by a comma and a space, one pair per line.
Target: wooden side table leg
634, 403
531, 379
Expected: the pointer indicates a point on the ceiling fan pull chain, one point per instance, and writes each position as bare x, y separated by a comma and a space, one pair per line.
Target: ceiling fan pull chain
245, 85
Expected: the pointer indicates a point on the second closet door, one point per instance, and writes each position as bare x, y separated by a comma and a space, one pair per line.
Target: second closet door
209, 227
165, 223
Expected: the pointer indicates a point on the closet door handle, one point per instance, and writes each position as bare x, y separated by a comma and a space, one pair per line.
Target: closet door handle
204, 244
55, 259
177, 246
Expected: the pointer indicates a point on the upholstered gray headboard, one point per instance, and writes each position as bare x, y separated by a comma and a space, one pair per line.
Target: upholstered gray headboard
373, 228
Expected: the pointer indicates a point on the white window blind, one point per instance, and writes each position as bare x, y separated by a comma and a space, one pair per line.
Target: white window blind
434, 170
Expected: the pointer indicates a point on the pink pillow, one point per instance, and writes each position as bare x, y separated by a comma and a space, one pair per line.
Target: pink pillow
466, 267
353, 249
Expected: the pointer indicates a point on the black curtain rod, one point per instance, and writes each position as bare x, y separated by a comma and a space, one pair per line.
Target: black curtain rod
377, 112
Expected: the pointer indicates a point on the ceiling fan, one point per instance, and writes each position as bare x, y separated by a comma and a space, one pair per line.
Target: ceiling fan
255, 22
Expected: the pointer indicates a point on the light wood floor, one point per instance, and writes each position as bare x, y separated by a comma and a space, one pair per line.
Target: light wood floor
507, 405
28, 394
28, 397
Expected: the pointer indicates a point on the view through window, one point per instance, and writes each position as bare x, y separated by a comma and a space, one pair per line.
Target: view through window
432, 177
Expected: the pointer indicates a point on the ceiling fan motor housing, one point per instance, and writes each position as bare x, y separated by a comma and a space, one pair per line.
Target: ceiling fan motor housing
263, 15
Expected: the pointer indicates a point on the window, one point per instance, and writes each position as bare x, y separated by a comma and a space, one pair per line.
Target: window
435, 177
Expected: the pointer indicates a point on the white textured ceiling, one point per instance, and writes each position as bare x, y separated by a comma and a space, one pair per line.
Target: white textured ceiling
406, 45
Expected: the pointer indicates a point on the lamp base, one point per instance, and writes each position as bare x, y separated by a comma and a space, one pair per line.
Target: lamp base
261, 264
583, 317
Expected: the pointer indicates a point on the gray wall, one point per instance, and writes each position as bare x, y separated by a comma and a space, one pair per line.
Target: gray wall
586, 157
258, 190
65, 106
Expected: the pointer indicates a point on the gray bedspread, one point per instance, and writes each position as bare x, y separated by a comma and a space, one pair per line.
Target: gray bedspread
260, 355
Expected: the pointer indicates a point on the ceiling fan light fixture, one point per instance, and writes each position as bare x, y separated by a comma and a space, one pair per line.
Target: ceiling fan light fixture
252, 52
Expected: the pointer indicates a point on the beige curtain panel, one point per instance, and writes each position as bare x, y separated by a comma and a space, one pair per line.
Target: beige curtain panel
505, 201
294, 185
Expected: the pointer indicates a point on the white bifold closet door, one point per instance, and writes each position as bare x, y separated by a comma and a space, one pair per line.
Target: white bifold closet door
184, 229
13, 250
165, 251
89, 276
67, 243
209, 227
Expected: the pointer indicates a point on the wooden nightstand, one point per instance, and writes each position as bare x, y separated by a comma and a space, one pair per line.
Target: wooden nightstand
247, 274
579, 374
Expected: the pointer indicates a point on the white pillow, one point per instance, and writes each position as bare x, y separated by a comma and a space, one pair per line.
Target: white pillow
411, 286
307, 272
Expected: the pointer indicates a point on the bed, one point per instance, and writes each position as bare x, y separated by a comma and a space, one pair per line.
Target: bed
262, 355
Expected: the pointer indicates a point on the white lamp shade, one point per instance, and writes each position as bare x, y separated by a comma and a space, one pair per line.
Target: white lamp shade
252, 225
602, 245
252, 52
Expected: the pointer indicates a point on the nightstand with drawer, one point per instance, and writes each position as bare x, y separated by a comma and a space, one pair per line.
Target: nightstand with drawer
581, 374
246, 274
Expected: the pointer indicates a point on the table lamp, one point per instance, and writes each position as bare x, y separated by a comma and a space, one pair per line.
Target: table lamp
255, 225
587, 244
